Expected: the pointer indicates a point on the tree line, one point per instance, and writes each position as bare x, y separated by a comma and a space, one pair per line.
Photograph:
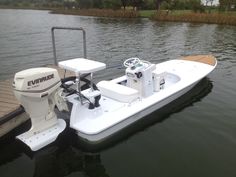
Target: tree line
196, 5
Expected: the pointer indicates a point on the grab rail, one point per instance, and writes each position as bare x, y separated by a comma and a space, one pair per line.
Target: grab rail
67, 28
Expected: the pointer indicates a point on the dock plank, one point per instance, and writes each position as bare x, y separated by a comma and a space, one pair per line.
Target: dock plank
7, 110
9, 91
5, 89
12, 100
2, 113
5, 96
6, 85
5, 106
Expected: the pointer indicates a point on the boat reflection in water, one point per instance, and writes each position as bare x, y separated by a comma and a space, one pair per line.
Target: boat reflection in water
59, 159
69, 161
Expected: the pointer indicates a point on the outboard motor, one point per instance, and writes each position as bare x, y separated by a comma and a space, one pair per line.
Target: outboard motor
38, 91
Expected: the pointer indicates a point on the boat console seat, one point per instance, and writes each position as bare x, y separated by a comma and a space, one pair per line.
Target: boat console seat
83, 66
117, 92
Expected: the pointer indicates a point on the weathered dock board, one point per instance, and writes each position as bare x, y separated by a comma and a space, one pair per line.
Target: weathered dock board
10, 107
8, 103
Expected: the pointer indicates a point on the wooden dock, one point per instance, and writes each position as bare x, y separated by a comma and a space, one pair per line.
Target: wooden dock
11, 113
8, 103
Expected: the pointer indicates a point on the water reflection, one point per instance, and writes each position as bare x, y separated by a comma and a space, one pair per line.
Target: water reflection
67, 162
55, 160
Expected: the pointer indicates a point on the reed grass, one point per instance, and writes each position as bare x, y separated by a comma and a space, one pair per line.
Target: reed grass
99, 13
212, 18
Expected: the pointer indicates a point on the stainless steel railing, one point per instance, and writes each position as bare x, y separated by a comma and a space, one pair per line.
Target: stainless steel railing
67, 28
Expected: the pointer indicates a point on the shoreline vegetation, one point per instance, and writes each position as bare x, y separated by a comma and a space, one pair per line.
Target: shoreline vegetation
99, 13
170, 16
215, 17
208, 18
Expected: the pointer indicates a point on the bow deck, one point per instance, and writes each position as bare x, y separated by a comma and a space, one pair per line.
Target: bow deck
207, 59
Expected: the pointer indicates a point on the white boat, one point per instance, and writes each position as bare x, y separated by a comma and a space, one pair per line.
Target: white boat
105, 108
127, 99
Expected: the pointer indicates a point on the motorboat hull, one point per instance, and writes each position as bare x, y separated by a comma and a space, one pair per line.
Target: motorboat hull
102, 136
97, 125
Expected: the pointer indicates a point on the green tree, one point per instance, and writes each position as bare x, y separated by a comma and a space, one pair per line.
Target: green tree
158, 4
98, 4
148, 4
112, 4
85, 4
124, 3
136, 3
226, 5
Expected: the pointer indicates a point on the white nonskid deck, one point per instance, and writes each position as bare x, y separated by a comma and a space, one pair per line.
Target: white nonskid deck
118, 124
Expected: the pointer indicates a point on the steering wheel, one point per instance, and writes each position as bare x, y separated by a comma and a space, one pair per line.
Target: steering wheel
130, 62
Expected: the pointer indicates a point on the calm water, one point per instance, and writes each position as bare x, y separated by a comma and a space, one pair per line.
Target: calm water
195, 136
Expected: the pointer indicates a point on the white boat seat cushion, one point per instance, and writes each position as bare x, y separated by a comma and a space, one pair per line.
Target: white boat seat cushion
117, 92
